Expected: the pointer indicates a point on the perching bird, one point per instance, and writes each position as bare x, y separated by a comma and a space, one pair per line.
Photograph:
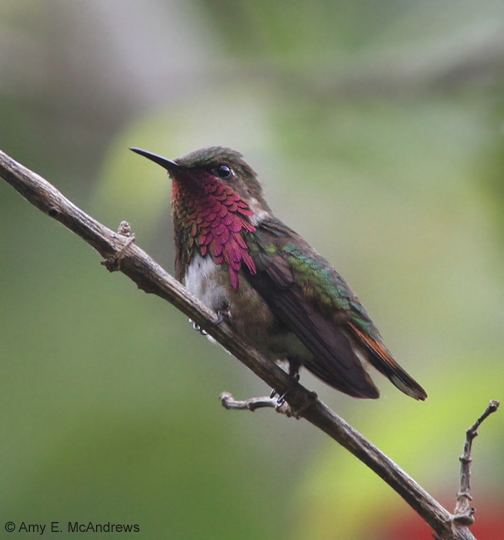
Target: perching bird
272, 287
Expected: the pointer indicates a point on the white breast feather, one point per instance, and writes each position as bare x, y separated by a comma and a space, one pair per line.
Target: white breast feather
202, 281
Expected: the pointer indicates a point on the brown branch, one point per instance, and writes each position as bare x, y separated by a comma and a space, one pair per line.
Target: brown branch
464, 513
122, 254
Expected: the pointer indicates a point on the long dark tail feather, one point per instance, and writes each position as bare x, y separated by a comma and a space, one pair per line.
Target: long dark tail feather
381, 359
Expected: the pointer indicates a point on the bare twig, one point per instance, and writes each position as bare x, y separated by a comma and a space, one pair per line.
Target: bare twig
280, 405
228, 402
113, 264
151, 278
464, 513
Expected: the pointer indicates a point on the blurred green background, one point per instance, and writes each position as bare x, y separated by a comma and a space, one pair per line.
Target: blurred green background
377, 129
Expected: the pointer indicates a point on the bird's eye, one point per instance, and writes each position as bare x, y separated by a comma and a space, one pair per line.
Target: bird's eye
222, 170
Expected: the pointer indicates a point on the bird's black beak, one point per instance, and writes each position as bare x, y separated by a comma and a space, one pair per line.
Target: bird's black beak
165, 163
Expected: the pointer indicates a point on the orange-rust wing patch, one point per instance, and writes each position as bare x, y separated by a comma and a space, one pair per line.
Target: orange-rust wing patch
381, 359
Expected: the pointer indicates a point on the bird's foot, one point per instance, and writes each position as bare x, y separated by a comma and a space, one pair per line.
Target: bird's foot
222, 315
296, 412
198, 328
281, 398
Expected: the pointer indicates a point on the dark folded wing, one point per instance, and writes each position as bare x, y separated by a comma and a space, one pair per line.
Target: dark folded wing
334, 360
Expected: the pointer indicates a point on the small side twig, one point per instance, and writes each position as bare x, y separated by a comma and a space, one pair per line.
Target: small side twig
113, 263
464, 512
229, 402
281, 406
267, 402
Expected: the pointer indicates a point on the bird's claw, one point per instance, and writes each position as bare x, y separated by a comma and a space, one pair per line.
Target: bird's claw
221, 316
199, 328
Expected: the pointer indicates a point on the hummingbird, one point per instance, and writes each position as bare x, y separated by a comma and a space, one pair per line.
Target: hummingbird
276, 292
